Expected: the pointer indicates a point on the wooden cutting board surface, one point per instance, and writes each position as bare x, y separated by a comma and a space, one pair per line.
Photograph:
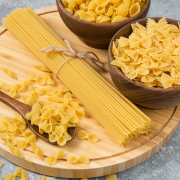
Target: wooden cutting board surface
106, 156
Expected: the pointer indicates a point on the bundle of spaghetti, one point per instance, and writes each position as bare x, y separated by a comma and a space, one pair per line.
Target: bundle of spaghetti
121, 118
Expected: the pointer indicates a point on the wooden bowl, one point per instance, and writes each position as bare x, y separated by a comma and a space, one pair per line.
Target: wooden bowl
96, 35
149, 97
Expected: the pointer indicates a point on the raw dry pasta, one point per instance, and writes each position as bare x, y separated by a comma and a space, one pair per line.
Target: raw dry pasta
82, 159
51, 160
10, 73
18, 173
127, 121
91, 137
42, 68
13, 90
150, 56
33, 94
37, 151
45, 178
103, 11
27, 99
111, 177
4, 86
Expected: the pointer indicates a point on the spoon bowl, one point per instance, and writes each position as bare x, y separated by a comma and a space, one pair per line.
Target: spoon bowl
23, 109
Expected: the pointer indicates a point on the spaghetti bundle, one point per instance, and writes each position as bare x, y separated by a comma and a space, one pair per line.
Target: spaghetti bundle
122, 119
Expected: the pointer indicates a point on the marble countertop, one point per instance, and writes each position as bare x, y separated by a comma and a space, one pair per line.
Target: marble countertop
165, 164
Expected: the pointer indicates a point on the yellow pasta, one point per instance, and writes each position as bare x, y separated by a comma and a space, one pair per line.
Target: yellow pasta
111, 177
48, 77
23, 85
37, 151
33, 93
41, 81
123, 120
91, 138
18, 173
104, 11
4, 86
13, 90
44, 91
33, 76
51, 160
0, 164
45, 178
10, 73
81, 159
150, 56
27, 100
42, 68
16, 151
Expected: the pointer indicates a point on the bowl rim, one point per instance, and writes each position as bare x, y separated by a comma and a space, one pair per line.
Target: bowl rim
122, 23
119, 72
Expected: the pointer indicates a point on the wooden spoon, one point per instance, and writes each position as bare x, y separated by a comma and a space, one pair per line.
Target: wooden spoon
23, 109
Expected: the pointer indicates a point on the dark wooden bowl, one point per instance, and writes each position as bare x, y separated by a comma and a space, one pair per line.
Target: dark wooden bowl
96, 35
149, 97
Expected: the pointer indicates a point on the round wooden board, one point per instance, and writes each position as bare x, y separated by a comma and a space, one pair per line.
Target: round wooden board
106, 156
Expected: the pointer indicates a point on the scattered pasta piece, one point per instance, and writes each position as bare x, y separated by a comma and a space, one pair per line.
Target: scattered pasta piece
111, 177
23, 85
150, 56
45, 178
41, 81
0, 164
81, 159
33, 94
42, 68
51, 160
60, 91
48, 77
16, 151
103, 11
91, 138
27, 100
10, 73
4, 86
37, 151
13, 90
43, 91
18, 173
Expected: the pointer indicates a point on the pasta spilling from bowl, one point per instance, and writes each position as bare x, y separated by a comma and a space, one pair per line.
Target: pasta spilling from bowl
150, 55
103, 11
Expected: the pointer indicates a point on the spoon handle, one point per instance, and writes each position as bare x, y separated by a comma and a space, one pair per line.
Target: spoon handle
17, 105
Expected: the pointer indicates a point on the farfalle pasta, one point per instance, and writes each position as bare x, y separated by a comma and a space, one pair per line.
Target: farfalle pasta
23, 85
42, 68
91, 137
18, 173
45, 178
10, 73
82, 159
4, 86
151, 54
51, 160
33, 95
103, 11
27, 100
16, 151
13, 90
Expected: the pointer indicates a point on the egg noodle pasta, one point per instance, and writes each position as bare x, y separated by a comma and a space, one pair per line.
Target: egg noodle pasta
122, 119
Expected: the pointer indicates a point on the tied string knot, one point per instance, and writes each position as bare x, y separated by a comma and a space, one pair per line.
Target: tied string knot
72, 53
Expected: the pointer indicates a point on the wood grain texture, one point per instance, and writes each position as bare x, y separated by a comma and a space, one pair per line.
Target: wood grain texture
106, 156
96, 35
155, 98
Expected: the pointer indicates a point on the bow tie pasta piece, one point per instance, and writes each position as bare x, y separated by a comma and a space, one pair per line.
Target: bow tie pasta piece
18, 173
60, 91
51, 160
82, 159
45, 178
49, 79
19, 118
4, 86
13, 90
23, 85
27, 100
33, 76
78, 108
37, 151
83, 135
12, 141
61, 140
43, 91
56, 99
111, 177
53, 137
43, 103
10, 73
16, 151
23, 144
33, 93
42, 68
41, 81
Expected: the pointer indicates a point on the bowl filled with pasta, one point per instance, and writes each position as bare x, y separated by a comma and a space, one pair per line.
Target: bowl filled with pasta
144, 62
96, 21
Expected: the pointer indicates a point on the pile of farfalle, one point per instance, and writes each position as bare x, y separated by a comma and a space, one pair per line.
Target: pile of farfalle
150, 55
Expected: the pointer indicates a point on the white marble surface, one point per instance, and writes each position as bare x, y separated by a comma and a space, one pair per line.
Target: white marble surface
164, 165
